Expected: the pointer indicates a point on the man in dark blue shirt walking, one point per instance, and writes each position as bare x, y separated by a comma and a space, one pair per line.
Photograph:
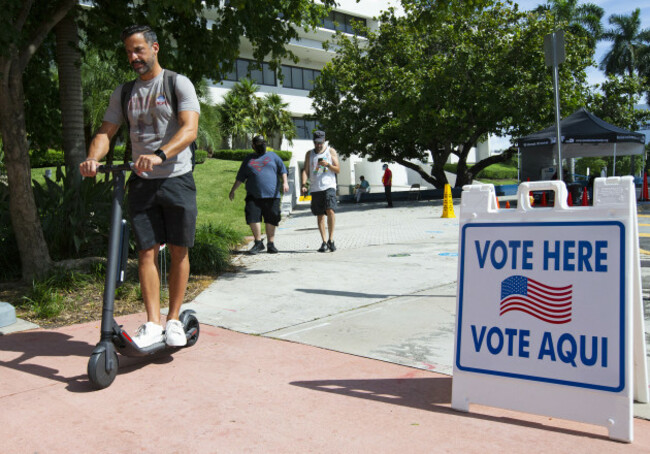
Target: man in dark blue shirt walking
261, 171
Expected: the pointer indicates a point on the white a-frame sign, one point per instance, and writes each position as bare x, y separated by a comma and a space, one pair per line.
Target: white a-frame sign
549, 308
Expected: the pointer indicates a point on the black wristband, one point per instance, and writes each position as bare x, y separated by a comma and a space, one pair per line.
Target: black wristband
161, 154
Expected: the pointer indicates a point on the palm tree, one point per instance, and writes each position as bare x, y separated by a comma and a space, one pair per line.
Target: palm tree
237, 111
99, 78
209, 134
582, 20
276, 120
629, 51
244, 114
68, 57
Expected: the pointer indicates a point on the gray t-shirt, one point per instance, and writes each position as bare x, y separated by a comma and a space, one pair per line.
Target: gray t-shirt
152, 121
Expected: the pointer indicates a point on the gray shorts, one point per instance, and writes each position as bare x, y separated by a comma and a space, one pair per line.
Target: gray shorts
163, 210
322, 201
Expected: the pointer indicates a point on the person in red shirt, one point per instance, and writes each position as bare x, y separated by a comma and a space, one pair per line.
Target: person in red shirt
387, 180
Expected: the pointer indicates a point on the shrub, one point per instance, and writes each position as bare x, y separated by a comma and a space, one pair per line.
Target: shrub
500, 171
211, 251
200, 156
118, 153
75, 220
49, 158
47, 297
239, 155
44, 300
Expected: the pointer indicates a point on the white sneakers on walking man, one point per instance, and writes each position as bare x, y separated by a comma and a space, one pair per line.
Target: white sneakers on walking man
151, 333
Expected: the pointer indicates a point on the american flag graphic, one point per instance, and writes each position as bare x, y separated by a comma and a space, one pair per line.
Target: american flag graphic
549, 304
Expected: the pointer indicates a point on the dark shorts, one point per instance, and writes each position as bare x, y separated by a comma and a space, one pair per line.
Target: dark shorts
256, 209
163, 210
322, 201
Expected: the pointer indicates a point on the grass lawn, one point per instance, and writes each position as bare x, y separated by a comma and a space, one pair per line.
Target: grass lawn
497, 182
214, 178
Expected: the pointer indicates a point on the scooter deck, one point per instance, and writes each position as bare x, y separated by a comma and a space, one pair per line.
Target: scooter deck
125, 345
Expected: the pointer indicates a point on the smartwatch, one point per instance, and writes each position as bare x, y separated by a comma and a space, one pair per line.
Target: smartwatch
161, 154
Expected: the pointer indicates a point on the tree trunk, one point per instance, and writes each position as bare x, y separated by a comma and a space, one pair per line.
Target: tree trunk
34, 255
68, 60
438, 179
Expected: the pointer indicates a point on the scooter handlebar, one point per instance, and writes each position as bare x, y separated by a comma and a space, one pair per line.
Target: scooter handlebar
115, 167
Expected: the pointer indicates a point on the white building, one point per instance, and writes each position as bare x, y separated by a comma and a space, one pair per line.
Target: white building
297, 83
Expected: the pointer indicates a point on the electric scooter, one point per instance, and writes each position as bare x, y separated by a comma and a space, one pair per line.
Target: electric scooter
103, 363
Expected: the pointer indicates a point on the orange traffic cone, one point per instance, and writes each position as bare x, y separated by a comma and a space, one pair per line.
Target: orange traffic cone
498, 204
544, 203
507, 204
585, 197
644, 196
569, 200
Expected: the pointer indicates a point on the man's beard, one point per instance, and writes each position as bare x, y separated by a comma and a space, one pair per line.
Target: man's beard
144, 68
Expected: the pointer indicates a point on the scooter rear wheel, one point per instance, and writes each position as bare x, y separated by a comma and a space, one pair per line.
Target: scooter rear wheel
190, 322
97, 373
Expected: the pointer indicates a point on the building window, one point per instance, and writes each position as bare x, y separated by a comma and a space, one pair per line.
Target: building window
245, 68
300, 78
342, 22
305, 128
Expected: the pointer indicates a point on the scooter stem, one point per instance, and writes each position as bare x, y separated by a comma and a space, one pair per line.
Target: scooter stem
113, 262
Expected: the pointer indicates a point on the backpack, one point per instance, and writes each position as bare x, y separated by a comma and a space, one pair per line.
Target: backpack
169, 88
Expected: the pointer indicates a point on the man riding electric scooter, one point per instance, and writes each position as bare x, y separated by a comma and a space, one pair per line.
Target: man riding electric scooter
161, 111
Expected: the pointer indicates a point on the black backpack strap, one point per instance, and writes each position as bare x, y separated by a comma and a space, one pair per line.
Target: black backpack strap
125, 97
127, 88
169, 87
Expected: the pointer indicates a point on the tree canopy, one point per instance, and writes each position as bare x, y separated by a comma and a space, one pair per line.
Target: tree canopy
435, 85
199, 39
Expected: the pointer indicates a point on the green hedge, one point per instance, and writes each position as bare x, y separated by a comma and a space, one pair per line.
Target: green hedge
498, 171
54, 158
50, 158
239, 155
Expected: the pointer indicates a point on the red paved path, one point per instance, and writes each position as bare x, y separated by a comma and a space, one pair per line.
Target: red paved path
234, 393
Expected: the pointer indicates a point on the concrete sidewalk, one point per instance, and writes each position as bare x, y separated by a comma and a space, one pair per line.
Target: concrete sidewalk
368, 368
388, 292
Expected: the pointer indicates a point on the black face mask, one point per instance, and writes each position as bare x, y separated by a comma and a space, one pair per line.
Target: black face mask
260, 148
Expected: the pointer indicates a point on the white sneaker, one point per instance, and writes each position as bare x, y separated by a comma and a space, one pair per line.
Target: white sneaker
175, 334
148, 334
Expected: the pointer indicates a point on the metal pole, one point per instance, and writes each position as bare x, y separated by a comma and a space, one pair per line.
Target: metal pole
553, 56
556, 83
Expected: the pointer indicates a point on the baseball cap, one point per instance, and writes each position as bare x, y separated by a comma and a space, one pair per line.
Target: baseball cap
259, 139
319, 136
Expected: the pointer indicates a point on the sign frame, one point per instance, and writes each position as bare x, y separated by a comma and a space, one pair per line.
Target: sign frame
605, 405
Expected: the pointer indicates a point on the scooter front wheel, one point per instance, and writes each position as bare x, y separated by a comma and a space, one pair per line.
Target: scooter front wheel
97, 373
